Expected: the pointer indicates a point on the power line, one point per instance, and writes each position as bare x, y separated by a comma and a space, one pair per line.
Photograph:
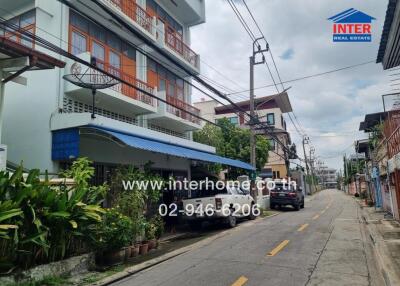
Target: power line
308, 76
266, 64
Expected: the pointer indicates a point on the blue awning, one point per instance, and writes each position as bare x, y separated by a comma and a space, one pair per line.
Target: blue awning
174, 150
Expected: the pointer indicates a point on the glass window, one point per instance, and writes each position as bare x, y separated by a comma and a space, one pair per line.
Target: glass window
129, 51
161, 84
271, 119
179, 82
233, 120
152, 65
115, 63
98, 52
272, 146
171, 89
113, 41
26, 41
97, 32
27, 19
79, 22
79, 43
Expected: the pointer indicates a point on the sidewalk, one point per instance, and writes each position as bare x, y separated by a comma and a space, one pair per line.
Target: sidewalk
346, 259
385, 236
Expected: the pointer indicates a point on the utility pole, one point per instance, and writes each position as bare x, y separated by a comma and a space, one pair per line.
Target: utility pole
256, 50
304, 141
312, 150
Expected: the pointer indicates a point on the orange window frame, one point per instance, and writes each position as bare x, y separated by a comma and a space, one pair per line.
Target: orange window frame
76, 30
17, 34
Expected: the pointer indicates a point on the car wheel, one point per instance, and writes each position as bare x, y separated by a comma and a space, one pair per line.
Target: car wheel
252, 216
296, 207
272, 206
231, 220
302, 204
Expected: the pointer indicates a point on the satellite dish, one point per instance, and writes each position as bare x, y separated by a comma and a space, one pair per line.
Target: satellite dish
91, 79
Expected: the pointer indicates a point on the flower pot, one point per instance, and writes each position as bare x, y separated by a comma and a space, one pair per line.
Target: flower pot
127, 253
144, 248
152, 244
135, 250
113, 257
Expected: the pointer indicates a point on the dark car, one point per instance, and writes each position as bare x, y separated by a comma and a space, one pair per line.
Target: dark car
283, 195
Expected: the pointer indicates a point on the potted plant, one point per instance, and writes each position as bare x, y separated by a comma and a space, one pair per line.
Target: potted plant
151, 235
113, 235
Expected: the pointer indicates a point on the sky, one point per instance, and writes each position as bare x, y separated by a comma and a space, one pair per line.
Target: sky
329, 108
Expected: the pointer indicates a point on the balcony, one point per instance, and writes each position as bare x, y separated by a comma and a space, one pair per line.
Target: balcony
171, 116
135, 14
168, 40
121, 97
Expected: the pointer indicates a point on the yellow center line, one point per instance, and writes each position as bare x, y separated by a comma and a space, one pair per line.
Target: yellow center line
278, 248
315, 217
303, 227
240, 281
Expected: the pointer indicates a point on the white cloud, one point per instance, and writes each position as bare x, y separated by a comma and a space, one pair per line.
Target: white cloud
335, 102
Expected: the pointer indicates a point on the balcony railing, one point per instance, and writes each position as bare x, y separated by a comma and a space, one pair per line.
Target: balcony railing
134, 12
126, 89
394, 143
176, 44
182, 105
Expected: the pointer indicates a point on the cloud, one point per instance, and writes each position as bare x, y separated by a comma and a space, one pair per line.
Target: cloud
334, 103
287, 55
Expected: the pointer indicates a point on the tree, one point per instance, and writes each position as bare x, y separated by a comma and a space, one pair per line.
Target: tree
233, 142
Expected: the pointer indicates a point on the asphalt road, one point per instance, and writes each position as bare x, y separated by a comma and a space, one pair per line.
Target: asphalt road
323, 244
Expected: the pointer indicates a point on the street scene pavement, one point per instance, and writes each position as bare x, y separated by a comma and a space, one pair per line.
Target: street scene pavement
323, 244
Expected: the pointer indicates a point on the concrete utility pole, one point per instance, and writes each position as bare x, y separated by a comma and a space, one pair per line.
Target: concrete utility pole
256, 50
312, 150
305, 141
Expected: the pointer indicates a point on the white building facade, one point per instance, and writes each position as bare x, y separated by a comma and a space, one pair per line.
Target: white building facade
146, 43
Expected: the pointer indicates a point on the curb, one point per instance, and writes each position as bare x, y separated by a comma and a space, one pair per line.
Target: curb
153, 262
382, 255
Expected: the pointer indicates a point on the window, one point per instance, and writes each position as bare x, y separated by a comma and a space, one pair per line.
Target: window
115, 62
234, 120
79, 22
79, 43
99, 53
272, 144
271, 119
23, 22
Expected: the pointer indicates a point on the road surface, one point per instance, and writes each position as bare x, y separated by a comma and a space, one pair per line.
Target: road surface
323, 244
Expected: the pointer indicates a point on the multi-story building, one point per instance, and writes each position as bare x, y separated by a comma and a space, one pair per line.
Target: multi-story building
327, 177
146, 43
270, 110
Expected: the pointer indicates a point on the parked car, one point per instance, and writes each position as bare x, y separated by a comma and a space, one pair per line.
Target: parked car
283, 195
225, 205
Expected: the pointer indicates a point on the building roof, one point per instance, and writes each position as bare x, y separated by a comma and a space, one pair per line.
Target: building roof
371, 120
391, 50
351, 16
280, 100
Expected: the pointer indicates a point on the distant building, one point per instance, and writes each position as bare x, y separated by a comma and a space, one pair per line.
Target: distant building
327, 177
270, 110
